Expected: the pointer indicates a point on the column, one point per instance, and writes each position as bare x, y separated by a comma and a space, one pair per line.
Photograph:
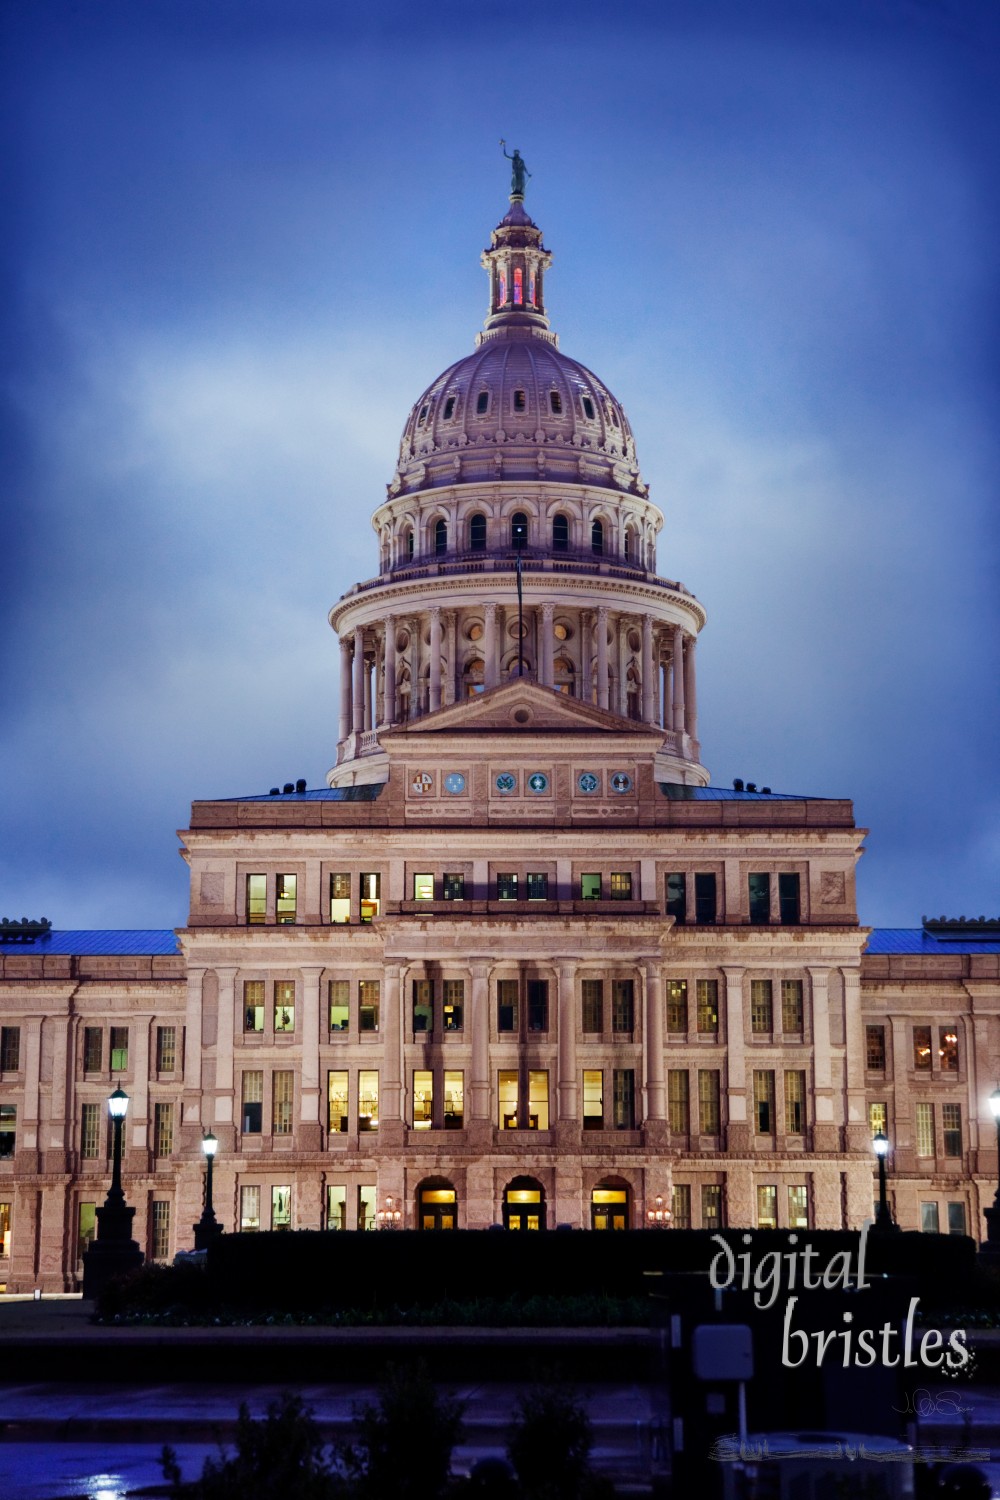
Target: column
308, 1021
192, 1045
858, 1134
648, 697
451, 657
225, 1037
825, 1131
678, 676
391, 1081
389, 706
137, 1119
586, 657
358, 697
369, 692
546, 669
602, 657
566, 1086
414, 633
690, 693
656, 1090
345, 689
61, 1087
738, 1134
27, 1122
490, 644
479, 1090
435, 675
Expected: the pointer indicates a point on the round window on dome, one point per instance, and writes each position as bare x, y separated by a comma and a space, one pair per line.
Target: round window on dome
475, 631
560, 631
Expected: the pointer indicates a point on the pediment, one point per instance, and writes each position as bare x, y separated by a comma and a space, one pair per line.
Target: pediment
521, 707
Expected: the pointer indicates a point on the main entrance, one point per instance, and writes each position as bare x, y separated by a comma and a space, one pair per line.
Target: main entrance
609, 1204
437, 1206
524, 1204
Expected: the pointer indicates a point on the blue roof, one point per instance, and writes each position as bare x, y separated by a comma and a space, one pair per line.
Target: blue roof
133, 941
366, 793
678, 793
916, 940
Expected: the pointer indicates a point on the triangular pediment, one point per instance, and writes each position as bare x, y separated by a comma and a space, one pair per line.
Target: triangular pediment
522, 707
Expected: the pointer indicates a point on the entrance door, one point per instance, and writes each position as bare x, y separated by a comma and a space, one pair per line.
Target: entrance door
524, 1205
438, 1208
609, 1208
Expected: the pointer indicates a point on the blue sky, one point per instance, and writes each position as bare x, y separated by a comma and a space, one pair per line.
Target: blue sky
244, 236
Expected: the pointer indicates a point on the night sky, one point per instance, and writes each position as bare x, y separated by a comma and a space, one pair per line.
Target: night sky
240, 240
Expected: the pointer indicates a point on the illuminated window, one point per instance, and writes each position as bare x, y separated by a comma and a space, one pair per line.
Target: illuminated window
593, 1100
707, 991
163, 1129
798, 1206
92, 1047
161, 1230
678, 1101
10, 1049
763, 1101
622, 1005
119, 1049
951, 1125
948, 1049
477, 538
767, 1206
924, 1120
878, 1119
339, 996
795, 1103
336, 1101
680, 1205
711, 1206
454, 1098
609, 1205
507, 996
507, 1098
90, 1133
875, 1049
761, 1016
284, 1005
336, 1206
253, 1102
593, 1006
281, 1207
253, 1005
281, 1102
454, 888
340, 898
677, 1005
759, 892
368, 1100
371, 897
621, 885
708, 1101
423, 1005
369, 991
518, 286
438, 1207
423, 1100
590, 887
285, 899
791, 1006
922, 1047
166, 1049
423, 887
623, 1085
502, 288
366, 1207
249, 1209
256, 899
453, 1004
597, 538
538, 1006
86, 1228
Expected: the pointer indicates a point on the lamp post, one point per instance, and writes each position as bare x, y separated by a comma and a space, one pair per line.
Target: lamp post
992, 1244
389, 1217
883, 1218
207, 1226
113, 1251
658, 1217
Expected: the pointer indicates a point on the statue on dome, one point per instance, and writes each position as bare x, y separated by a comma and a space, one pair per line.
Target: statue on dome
518, 171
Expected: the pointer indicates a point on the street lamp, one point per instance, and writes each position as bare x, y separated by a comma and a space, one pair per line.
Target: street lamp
658, 1217
883, 1218
207, 1226
992, 1245
389, 1217
113, 1250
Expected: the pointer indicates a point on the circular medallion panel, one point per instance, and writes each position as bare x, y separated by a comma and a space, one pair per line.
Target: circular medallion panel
620, 782
506, 782
588, 782
538, 782
454, 783
422, 783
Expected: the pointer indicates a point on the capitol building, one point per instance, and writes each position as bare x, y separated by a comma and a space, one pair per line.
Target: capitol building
518, 962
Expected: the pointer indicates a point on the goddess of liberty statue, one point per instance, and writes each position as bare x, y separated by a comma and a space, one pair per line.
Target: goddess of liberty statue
518, 171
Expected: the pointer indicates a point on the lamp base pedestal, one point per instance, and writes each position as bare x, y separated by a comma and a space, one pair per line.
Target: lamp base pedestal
991, 1244
205, 1231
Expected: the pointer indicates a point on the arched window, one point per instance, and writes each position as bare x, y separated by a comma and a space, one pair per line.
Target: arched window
474, 676
437, 1204
518, 286
408, 545
629, 544
562, 669
477, 533
524, 1204
609, 1204
518, 530
560, 534
597, 539
440, 537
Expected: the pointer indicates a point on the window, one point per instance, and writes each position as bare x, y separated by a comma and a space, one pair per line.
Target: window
519, 402
767, 1206
878, 1119
588, 408
609, 1205
166, 1049
477, 533
707, 991
422, 418
678, 1103
249, 1209
560, 530
284, 1005
284, 905
622, 1004
368, 1100
538, 887
621, 885
711, 1206
593, 1006
423, 887
798, 1206
947, 1049
763, 1101
538, 1100
90, 1132
507, 1004
339, 994
677, 1006
5, 1226
340, 898
956, 1218
336, 1101
507, 1098
704, 899
453, 1004
92, 1046
454, 1098
366, 1207
555, 405
10, 1049
163, 1129
708, 1102
795, 1103
8, 1129
922, 1047
677, 898
440, 537
597, 539
253, 1102
590, 887
253, 1005
623, 1082
454, 887
761, 1017
423, 1005
281, 1207
119, 1049
483, 402
281, 1102
929, 1218
409, 544
951, 1124
680, 1205
875, 1049
518, 530
369, 993
791, 1007
760, 897
256, 900
160, 1239
423, 1100
371, 896
924, 1119
593, 1099
336, 1206
538, 1005
788, 899
449, 408
506, 887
